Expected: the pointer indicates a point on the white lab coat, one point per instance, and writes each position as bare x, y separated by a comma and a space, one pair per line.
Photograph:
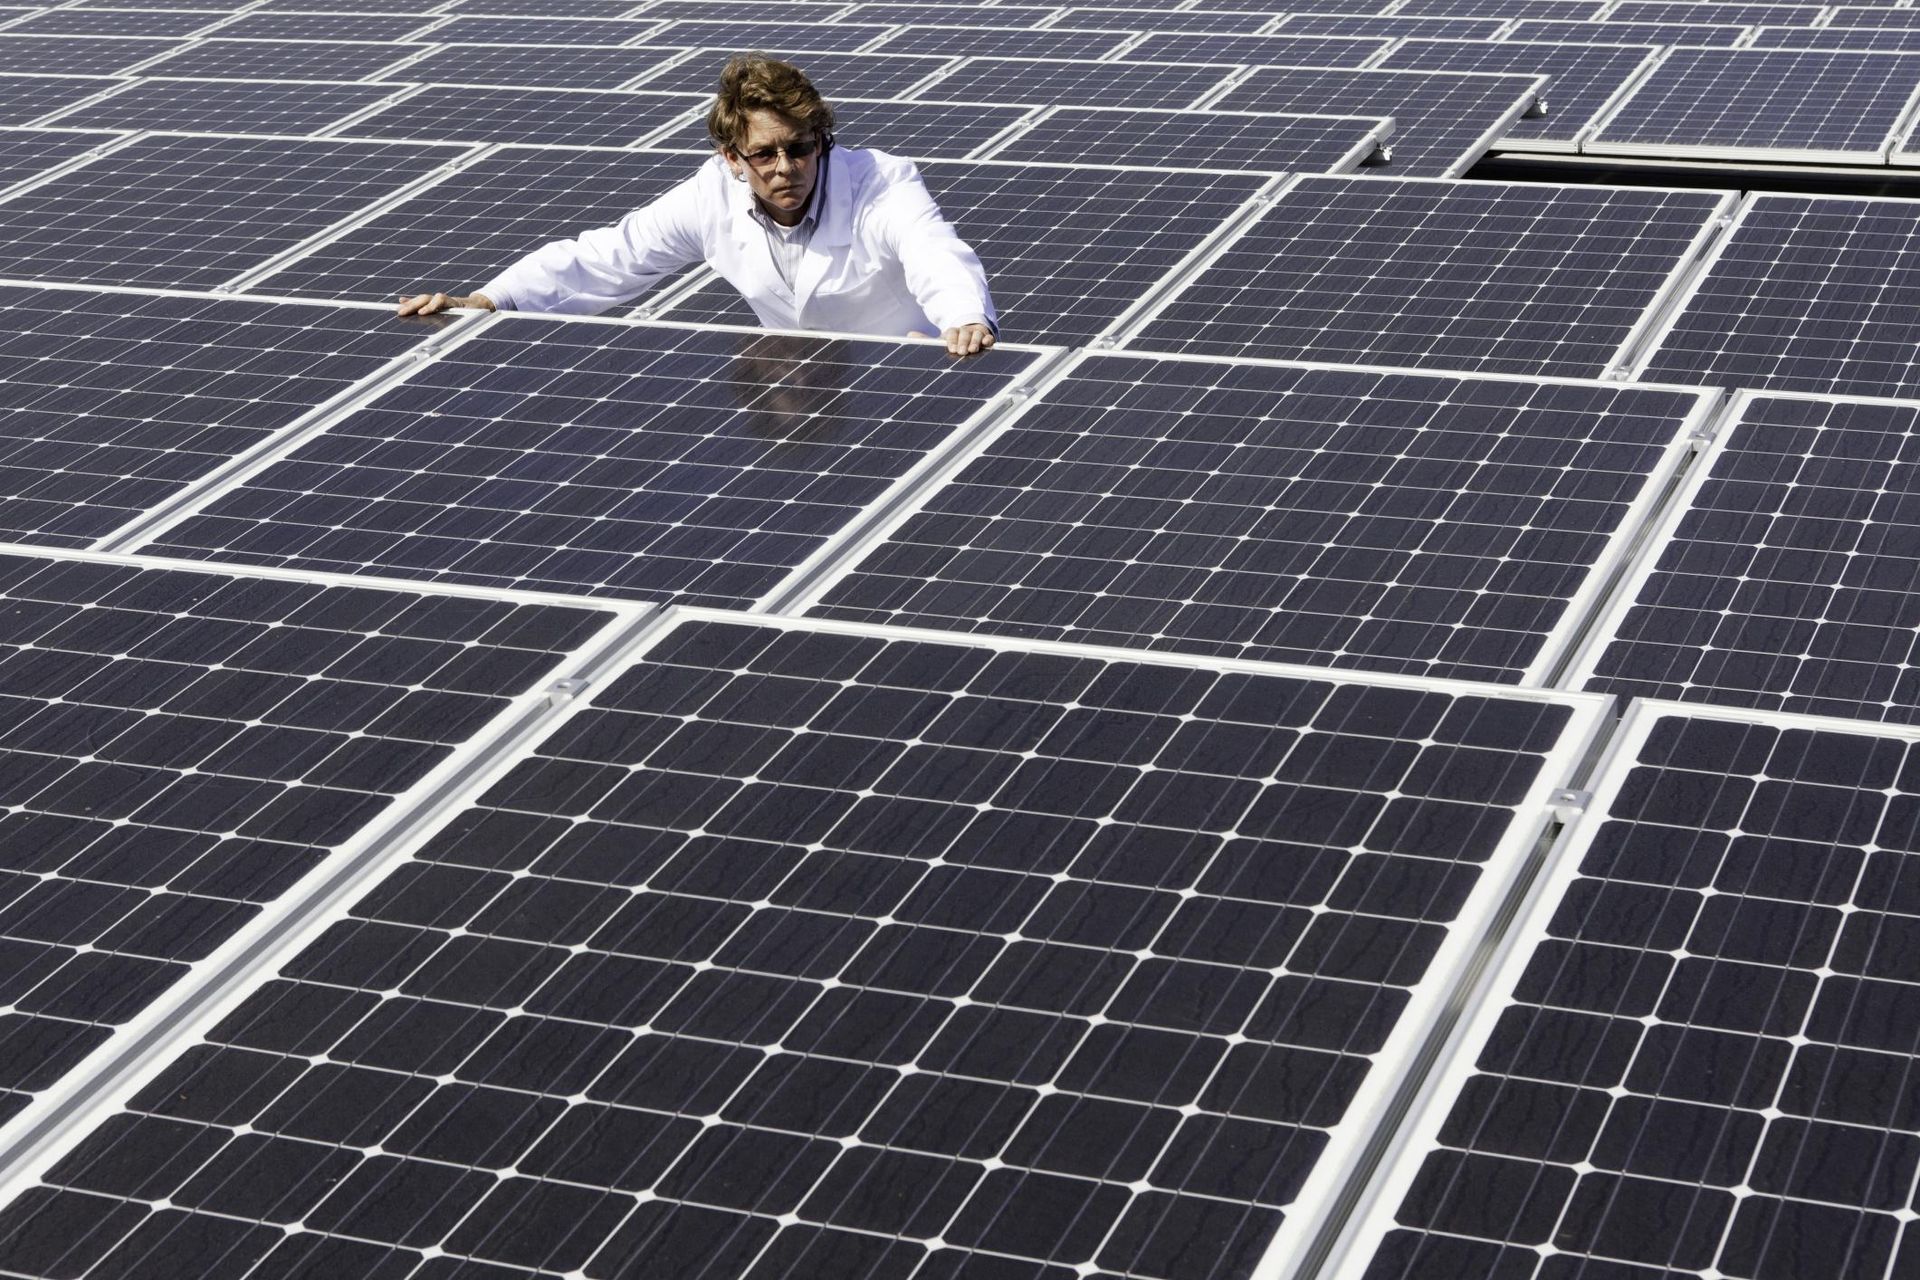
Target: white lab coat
882, 259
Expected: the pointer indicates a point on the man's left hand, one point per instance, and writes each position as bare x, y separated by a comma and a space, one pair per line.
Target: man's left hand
968, 340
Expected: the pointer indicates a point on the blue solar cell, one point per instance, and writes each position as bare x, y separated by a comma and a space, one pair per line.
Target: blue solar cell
182, 748
283, 59
649, 463
1259, 142
1004, 1009
1474, 276
836, 75
27, 153
1737, 12
1078, 83
115, 403
741, 36
195, 211
1125, 19
26, 98
1806, 294
1012, 42
1351, 518
1822, 104
1452, 28
117, 22
917, 130
1703, 34
1288, 51
1863, 39
77, 55
326, 26
1443, 121
530, 66
560, 29
1788, 583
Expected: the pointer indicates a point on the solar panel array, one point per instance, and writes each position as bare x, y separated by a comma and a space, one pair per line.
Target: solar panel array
641, 795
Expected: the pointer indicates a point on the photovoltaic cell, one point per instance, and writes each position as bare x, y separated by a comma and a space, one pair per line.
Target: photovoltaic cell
114, 403
1260, 143
1581, 79
1124, 19
282, 59
950, 980
226, 106
1872, 16
838, 75
917, 130
461, 29
1292, 51
1067, 250
1864, 39
1788, 583
745, 10
1493, 277
1572, 10
1699, 1060
1807, 293
181, 748
326, 26
582, 117
1080, 83
117, 22
1733, 11
554, 66
1806, 103
1004, 15
1335, 517
77, 55
193, 211
510, 204
995, 41
1443, 121
549, 8
28, 153
347, 6
647, 463
1703, 34
144, 4
25, 98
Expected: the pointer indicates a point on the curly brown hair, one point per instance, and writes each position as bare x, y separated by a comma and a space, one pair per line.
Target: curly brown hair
754, 82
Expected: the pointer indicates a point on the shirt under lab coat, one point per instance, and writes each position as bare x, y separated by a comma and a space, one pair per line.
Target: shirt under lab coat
881, 259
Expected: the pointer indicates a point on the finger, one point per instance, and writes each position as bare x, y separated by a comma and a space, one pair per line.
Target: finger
409, 305
986, 339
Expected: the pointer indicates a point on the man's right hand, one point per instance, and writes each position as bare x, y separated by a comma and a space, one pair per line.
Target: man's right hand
426, 304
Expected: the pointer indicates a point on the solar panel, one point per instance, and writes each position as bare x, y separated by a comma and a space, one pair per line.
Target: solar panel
1122, 19
1004, 42
328, 26
226, 106
188, 212
25, 154
1771, 103
1345, 517
77, 55
1581, 79
26, 98
1702, 34
745, 10
1805, 293
350, 6
549, 8
838, 75
1296, 51
114, 403
607, 459
116, 22
1571, 10
826, 37
582, 117
556, 66
1698, 1059
509, 204
461, 29
1262, 143
1871, 16
1490, 277
1443, 121
1057, 989
144, 4
182, 748
283, 59
1866, 39
1068, 250
1785, 582
1333, 24
1004, 15
1077, 83
917, 130
1734, 11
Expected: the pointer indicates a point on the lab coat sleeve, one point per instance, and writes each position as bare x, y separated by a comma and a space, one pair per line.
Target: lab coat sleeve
607, 266
942, 270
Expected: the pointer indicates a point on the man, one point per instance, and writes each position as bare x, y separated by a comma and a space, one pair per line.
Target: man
813, 238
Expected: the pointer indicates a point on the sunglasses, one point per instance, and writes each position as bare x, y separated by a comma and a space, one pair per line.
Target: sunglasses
797, 150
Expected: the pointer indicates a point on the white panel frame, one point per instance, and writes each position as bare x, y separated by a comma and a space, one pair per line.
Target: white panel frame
1488, 998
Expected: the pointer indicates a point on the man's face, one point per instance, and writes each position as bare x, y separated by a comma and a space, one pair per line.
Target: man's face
782, 181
